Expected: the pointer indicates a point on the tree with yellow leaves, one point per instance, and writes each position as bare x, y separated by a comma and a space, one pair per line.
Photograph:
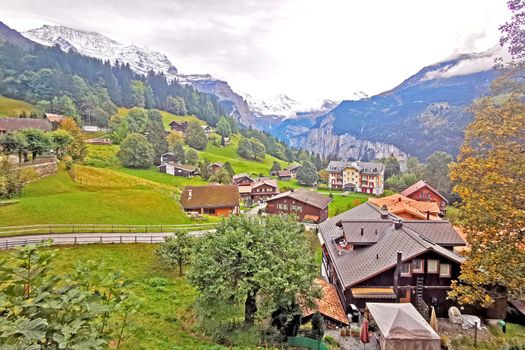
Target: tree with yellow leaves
489, 175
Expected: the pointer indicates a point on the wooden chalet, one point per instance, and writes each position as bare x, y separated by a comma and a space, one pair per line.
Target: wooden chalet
293, 169
215, 167
8, 125
220, 200
284, 175
371, 255
309, 206
207, 129
168, 158
184, 170
421, 191
242, 179
176, 126
406, 208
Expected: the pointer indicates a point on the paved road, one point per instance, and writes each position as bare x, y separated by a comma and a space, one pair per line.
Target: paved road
86, 238
255, 210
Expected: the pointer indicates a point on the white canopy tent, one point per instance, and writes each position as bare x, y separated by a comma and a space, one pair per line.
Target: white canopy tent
403, 328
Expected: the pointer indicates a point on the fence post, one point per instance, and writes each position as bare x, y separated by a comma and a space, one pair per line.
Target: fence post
151, 239
146, 229
50, 229
6, 243
161, 228
120, 238
93, 229
75, 240
100, 239
73, 228
135, 238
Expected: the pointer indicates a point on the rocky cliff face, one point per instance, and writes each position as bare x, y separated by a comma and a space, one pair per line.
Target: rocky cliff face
322, 140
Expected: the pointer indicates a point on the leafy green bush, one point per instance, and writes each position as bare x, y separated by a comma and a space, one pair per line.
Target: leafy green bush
158, 282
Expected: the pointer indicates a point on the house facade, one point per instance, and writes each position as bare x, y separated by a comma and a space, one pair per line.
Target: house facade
180, 127
217, 200
215, 167
407, 208
293, 169
371, 255
307, 205
242, 179
284, 175
365, 177
421, 191
263, 190
184, 170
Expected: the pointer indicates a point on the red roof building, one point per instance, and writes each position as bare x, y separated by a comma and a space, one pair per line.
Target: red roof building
421, 191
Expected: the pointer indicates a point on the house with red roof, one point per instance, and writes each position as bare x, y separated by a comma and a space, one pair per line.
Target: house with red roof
423, 192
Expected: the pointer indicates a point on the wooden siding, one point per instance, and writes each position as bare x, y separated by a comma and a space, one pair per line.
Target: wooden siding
274, 206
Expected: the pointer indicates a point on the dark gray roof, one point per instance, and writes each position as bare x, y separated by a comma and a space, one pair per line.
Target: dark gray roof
309, 197
14, 124
364, 231
361, 264
438, 231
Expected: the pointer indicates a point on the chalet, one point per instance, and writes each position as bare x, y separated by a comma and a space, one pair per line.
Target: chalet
215, 167
176, 126
221, 200
184, 170
284, 175
421, 191
8, 125
365, 177
406, 208
371, 255
263, 189
293, 169
168, 158
242, 179
309, 206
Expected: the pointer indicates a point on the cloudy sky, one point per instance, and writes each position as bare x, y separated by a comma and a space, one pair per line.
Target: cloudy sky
307, 49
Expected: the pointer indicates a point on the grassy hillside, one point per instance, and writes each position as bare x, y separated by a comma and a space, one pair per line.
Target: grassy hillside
100, 196
229, 154
12, 108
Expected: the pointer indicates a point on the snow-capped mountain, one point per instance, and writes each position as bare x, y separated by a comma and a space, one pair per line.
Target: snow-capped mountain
140, 59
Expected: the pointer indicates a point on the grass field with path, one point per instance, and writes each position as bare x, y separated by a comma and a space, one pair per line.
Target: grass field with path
12, 108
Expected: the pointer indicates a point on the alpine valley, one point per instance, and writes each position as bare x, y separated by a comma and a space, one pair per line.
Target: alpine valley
425, 113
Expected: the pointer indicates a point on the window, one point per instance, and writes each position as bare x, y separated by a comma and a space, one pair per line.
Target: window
405, 270
432, 266
444, 270
417, 266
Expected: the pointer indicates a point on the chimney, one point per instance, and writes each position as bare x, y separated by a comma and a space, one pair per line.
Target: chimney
397, 272
384, 212
398, 224
362, 231
189, 193
428, 214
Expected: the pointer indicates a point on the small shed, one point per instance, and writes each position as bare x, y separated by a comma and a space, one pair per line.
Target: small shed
403, 327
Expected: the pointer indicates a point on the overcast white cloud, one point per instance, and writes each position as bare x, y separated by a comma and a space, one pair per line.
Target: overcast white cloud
308, 49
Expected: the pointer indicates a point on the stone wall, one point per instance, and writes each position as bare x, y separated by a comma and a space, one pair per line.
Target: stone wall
42, 168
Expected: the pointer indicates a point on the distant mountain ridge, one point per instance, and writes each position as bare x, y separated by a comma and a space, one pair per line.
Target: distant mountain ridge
425, 113
142, 60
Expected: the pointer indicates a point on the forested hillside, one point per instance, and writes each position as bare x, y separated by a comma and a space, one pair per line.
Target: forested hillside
90, 89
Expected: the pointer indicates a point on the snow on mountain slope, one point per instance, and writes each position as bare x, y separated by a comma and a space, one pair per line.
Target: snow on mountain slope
140, 59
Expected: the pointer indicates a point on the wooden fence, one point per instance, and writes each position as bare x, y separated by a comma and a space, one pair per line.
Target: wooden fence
99, 228
12, 242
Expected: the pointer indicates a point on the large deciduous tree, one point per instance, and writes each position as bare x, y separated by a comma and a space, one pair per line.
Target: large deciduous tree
195, 136
489, 176
77, 148
156, 136
136, 152
307, 174
38, 142
259, 262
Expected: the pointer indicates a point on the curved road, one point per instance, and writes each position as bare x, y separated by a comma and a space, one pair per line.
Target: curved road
90, 238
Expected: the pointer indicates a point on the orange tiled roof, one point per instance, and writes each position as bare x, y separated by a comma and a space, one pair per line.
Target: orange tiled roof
329, 305
397, 204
